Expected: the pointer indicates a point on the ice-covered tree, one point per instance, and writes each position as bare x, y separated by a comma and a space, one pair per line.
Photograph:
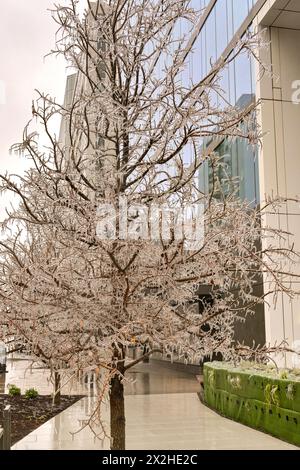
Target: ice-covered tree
113, 236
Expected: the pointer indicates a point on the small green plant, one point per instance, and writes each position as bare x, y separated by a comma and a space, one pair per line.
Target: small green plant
290, 392
234, 381
31, 393
211, 379
284, 375
13, 390
272, 395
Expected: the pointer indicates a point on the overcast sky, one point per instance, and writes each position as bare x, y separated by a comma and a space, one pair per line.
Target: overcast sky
27, 33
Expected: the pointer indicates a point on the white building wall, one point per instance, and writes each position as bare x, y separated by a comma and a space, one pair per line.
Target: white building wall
279, 160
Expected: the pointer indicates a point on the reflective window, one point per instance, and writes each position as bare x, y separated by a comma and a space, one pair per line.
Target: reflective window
240, 169
240, 12
221, 26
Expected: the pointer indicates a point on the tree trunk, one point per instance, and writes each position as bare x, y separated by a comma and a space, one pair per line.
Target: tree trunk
145, 350
56, 387
117, 414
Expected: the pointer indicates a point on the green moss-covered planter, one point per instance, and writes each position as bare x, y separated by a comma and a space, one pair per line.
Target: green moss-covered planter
257, 398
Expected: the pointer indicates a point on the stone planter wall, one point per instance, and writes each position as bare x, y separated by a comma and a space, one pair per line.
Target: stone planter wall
254, 398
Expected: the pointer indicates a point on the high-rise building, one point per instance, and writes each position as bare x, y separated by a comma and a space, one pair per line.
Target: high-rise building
274, 167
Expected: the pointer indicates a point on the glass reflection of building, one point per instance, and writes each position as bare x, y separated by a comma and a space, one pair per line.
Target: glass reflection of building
222, 21
275, 170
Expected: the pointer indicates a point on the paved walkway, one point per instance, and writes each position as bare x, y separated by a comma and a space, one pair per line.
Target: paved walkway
23, 373
163, 411
149, 378
158, 421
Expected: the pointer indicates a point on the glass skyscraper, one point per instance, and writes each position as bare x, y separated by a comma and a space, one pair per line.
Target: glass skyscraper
273, 168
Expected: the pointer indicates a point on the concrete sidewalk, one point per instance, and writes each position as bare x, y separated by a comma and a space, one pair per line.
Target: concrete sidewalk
163, 411
157, 421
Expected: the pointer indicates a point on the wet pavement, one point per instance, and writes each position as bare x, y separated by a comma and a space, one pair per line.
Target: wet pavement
163, 411
161, 421
145, 378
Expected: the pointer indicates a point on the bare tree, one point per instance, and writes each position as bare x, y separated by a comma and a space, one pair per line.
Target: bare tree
113, 238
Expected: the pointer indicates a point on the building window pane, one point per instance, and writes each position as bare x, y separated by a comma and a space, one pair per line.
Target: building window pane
221, 26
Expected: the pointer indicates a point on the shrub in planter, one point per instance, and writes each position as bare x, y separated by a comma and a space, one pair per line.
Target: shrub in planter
31, 393
13, 390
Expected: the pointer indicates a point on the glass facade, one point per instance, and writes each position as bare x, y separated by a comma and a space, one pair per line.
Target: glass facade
218, 30
237, 83
238, 173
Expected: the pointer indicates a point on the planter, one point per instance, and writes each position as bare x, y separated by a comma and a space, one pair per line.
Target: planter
256, 397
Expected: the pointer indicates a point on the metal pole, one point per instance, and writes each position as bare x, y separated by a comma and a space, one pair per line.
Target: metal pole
7, 428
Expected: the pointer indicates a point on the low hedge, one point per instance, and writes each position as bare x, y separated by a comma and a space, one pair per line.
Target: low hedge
255, 396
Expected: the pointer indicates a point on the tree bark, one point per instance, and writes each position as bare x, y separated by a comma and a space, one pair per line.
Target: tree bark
57, 387
146, 357
117, 414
